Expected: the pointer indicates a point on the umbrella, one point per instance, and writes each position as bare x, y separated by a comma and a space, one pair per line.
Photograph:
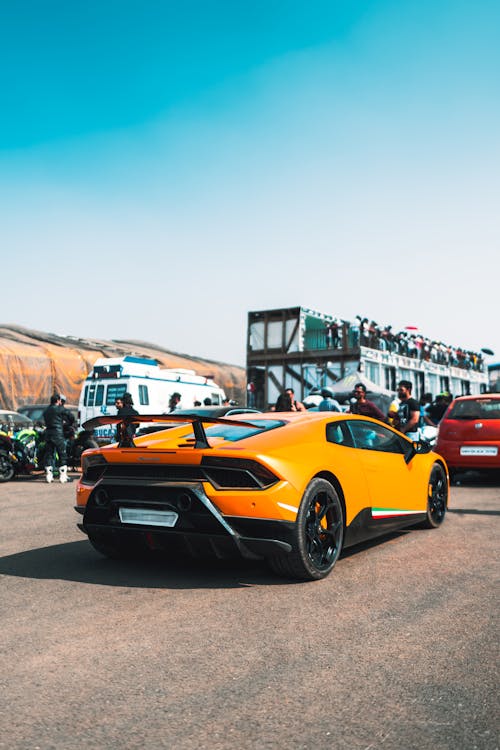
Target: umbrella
411, 328
487, 351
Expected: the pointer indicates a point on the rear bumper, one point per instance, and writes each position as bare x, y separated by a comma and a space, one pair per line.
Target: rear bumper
220, 546
200, 527
450, 450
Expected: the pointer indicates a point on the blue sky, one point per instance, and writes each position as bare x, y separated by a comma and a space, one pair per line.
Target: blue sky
166, 167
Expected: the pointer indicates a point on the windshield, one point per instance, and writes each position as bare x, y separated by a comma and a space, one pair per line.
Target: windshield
232, 433
484, 408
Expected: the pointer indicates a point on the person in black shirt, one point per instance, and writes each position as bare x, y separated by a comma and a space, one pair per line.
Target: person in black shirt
408, 415
125, 408
55, 418
438, 407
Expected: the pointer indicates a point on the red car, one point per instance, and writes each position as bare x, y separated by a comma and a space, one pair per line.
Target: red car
469, 433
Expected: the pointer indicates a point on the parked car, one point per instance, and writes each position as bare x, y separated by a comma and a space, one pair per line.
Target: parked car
469, 433
35, 411
293, 488
13, 421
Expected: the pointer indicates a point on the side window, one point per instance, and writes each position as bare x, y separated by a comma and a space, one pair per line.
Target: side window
99, 395
374, 437
338, 433
143, 395
114, 392
86, 396
91, 395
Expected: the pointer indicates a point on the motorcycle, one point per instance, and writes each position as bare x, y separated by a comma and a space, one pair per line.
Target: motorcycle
25, 452
16, 456
76, 444
6, 458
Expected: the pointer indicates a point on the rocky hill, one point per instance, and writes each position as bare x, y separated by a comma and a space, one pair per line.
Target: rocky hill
34, 364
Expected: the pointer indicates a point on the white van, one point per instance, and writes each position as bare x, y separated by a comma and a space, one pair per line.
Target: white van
150, 386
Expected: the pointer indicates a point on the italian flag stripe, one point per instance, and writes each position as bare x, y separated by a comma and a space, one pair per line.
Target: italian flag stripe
392, 512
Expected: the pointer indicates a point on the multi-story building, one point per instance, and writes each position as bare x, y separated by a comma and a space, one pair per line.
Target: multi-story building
494, 377
305, 349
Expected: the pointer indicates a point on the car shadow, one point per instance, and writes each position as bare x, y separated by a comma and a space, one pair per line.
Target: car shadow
375, 542
490, 478
473, 512
77, 561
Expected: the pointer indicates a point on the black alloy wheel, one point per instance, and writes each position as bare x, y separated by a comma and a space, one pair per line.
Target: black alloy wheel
6, 467
319, 535
437, 498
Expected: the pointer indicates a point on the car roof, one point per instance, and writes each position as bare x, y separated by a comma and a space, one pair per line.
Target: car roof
44, 405
15, 416
477, 396
14, 413
217, 411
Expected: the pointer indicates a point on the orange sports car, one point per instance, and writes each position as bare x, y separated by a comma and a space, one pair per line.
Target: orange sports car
293, 488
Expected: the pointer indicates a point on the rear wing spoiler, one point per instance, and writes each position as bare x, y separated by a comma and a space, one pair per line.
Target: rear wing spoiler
125, 437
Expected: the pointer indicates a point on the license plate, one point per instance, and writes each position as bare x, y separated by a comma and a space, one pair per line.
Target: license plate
148, 517
478, 450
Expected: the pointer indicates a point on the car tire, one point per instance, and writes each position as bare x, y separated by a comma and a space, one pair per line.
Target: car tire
437, 498
6, 467
319, 533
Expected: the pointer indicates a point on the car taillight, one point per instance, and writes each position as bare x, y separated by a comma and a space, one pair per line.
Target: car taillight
237, 473
93, 467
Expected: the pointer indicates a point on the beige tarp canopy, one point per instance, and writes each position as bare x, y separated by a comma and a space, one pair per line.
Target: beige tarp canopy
34, 365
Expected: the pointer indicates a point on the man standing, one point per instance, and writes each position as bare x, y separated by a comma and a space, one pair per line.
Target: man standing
328, 403
54, 417
174, 401
409, 411
125, 408
286, 402
363, 406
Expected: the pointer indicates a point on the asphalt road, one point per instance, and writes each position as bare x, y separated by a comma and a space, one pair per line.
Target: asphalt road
396, 649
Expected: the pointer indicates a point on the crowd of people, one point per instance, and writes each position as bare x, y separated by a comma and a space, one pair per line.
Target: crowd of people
405, 413
409, 343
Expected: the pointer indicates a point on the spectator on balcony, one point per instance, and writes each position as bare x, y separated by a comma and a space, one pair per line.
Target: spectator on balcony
387, 338
373, 335
327, 335
334, 333
364, 330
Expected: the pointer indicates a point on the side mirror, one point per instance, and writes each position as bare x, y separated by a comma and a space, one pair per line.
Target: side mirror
423, 446
417, 447
411, 452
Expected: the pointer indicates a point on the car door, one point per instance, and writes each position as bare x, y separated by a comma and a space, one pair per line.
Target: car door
345, 463
390, 480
